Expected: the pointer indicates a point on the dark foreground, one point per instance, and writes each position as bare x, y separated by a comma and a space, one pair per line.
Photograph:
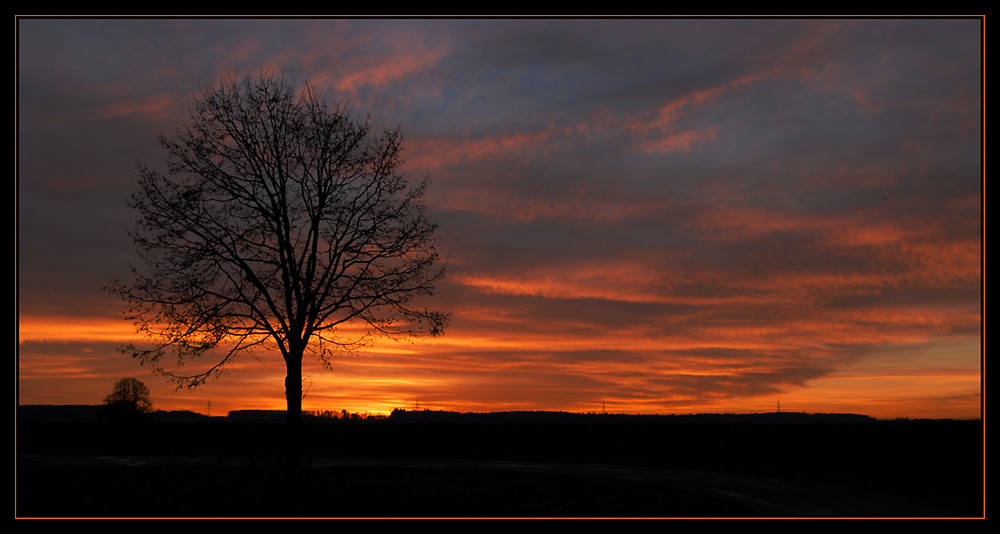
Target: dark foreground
604, 469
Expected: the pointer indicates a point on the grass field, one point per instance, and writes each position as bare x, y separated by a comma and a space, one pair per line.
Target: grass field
385, 470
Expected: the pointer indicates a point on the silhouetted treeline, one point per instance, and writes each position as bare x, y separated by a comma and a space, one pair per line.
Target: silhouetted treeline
545, 417
105, 413
319, 416
83, 413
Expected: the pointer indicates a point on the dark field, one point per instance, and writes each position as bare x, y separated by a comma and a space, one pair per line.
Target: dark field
600, 468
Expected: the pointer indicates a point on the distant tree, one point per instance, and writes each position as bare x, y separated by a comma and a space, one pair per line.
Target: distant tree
128, 399
280, 225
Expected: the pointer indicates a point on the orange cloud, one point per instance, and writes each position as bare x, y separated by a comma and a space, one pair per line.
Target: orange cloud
63, 329
741, 222
572, 203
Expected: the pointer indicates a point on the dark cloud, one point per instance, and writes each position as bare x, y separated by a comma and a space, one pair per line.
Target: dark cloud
657, 211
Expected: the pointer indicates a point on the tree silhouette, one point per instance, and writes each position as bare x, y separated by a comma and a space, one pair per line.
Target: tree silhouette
128, 399
280, 224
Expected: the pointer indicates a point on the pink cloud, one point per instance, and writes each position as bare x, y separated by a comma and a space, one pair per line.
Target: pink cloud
157, 106
679, 142
432, 153
667, 115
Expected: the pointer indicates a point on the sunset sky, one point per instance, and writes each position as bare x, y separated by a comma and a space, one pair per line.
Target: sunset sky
656, 215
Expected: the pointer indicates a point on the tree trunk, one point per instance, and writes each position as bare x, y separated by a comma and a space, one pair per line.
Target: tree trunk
293, 388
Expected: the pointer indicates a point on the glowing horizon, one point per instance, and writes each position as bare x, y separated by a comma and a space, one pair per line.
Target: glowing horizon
405, 375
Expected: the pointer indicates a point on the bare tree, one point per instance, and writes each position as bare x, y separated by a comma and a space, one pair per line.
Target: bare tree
280, 224
130, 394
